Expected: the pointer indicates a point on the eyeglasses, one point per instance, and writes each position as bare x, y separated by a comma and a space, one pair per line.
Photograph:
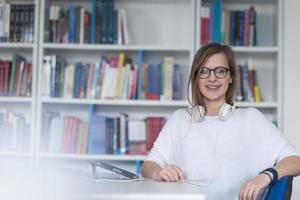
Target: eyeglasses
219, 72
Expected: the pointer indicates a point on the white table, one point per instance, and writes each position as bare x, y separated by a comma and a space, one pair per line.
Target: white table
138, 190
76, 186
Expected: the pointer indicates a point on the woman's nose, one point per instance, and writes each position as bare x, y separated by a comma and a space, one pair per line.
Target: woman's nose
212, 76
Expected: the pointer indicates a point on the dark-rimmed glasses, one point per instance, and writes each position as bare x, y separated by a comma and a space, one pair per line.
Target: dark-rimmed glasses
219, 72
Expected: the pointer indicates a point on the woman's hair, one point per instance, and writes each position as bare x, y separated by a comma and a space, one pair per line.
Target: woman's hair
201, 57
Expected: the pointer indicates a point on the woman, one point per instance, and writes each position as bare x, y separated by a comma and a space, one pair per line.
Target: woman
234, 152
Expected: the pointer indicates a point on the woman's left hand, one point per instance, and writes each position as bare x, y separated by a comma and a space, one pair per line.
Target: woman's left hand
251, 189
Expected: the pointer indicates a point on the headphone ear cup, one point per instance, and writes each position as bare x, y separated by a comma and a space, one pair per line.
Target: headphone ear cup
198, 113
226, 111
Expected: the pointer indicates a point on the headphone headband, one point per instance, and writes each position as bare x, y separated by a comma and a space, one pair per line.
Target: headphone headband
225, 112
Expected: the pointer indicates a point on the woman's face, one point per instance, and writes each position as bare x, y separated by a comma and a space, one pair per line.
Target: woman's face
213, 88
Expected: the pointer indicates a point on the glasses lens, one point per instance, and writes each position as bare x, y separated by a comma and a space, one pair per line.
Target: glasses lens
204, 73
221, 72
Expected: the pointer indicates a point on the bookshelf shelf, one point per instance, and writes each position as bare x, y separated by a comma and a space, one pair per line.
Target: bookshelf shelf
92, 157
17, 45
271, 50
113, 47
14, 154
150, 103
116, 102
16, 99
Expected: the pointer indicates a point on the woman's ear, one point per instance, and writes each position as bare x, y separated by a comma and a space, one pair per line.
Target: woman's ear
230, 81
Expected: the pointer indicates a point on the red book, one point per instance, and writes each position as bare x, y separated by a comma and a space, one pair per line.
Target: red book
134, 84
203, 30
154, 125
66, 129
149, 134
6, 65
74, 135
137, 148
1, 79
29, 79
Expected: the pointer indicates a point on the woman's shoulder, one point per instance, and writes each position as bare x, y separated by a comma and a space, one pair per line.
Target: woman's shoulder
182, 114
249, 111
252, 113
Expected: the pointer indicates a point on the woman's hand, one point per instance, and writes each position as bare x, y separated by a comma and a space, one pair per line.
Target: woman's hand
251, 189
170, 173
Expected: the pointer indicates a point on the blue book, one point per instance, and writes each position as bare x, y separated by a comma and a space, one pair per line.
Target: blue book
245, 88
72, 24
109, 135
216, 21
84, 79
115, 26
53, 75
96, 138
156, 81
104, 21
149, 90
241, 25
110, 21
139, 74
232, 28
177, 82
93, 21
127, 143
77, 79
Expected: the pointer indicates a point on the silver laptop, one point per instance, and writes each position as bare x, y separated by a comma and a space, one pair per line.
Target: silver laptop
125, 175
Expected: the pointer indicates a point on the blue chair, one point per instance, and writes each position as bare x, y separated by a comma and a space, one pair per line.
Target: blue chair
282, 190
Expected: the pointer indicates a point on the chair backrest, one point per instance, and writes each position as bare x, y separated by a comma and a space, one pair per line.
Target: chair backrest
282, 190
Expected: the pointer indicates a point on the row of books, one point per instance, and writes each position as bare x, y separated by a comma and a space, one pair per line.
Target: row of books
104, 24
235, 28
100, 135
16, 22
14, 131
114, 77
248, 88
15, 77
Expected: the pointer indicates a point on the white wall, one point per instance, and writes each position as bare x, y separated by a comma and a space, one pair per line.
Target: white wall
291, 99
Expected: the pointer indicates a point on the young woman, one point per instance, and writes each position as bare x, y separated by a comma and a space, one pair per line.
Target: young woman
234, 152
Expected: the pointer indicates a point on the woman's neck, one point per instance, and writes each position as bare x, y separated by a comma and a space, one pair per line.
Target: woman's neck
212, 108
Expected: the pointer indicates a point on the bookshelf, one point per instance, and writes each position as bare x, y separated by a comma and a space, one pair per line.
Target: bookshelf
18, 110
155, 43
155, 28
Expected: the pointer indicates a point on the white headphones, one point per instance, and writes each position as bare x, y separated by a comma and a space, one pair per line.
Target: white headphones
226, 111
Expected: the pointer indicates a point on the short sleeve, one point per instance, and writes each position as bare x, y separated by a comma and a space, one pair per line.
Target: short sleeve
163, 149
277, 144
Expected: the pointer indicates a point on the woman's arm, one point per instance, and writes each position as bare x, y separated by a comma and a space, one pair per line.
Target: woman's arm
170, 173
150, 169
289, 166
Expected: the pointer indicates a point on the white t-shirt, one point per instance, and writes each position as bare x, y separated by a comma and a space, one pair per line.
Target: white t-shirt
221, 155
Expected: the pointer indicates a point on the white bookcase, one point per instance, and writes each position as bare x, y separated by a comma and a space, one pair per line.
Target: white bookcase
22, 105
159, 28
154, 28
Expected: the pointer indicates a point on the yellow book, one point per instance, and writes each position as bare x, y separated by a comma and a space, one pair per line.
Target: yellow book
119, 75
257, 97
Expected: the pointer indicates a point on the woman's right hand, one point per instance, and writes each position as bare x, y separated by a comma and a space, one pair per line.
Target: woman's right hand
170, 173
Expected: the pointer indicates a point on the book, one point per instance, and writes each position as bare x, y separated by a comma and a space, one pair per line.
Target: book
96, 140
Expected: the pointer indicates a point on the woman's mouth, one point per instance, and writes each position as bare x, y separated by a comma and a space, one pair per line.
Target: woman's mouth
212, 87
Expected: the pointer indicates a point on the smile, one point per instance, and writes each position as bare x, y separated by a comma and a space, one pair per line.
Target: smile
212, 87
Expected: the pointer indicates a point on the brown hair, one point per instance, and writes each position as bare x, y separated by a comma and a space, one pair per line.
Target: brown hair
201, 57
